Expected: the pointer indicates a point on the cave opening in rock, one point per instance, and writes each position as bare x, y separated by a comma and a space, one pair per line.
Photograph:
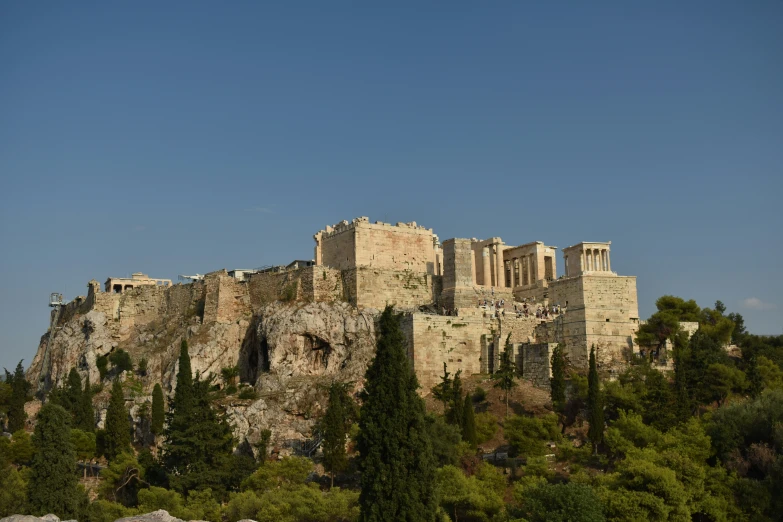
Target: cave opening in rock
320, 349
253, 356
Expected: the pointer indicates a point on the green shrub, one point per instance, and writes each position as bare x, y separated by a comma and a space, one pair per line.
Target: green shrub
289, 291
248, 393
479, 394
102, 362
121, 360
486, 426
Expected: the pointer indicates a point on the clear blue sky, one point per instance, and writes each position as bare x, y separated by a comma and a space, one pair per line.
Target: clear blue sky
180, 137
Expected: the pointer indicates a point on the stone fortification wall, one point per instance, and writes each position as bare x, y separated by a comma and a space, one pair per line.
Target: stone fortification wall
226, 298
375, 288
311, 284
404, 246
601, 310
435, 339
534, 361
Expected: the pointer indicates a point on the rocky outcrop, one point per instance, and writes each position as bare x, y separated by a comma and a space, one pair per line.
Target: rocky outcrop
288, 352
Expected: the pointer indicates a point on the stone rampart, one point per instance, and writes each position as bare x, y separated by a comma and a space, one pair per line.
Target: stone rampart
367, 287
310, 284
226, 299
437, 339
534, 361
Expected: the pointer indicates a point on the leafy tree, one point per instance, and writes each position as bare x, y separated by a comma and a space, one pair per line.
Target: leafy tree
52, 486
102, 363
336, 422
117, 434
20, 389
445, 440
486, 426
83, 443
121, 360
528, 436
468, 498
722, 380
595, 405
397, 481
155, 498
122, 480
504, 377
106, 511
469, 423
158, 410
21, 450
13, 499
558, 503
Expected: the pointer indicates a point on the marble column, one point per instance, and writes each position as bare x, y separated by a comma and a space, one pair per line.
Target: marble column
485, 265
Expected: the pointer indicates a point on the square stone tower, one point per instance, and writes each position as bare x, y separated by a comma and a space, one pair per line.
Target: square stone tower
601, 307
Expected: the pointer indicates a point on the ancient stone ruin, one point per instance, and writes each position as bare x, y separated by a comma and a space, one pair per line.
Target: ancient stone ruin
292, 327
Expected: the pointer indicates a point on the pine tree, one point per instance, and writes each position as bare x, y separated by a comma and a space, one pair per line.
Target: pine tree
87, 411
469, 434
398, 469
504, 377
20, 389
442, 390
335, 425
158, 410
118, 436
53, 485
558, 381
595, 406
454, 411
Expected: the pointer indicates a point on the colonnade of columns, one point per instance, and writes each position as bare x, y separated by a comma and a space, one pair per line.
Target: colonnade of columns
492, 264
521, 271
596, 260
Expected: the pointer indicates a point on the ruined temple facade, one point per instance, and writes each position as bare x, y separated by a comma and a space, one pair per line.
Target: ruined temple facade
405, 265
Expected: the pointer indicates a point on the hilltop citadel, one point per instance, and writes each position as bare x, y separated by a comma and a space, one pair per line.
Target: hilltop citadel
448, 291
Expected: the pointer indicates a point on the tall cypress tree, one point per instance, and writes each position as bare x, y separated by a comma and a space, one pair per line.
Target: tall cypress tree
398, 469
198, 449
73, 395
335, 426
558, 382
183, 395
504, 377
118, 436
454, 411
595, 405
87, 412
158, 410
53, 486
469, 434
20, 389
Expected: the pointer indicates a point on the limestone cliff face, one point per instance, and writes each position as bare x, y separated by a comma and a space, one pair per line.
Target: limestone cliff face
289, 352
